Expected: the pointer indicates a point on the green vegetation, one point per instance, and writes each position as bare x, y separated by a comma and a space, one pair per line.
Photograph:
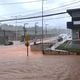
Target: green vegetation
67, 46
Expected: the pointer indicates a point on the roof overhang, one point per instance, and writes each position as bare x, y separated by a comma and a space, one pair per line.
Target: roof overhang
71, 11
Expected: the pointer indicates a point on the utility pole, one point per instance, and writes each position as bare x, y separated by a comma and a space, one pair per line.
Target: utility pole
24, 31
42, 29
16, 28
26, 38
35, 32
46, 30
4, 36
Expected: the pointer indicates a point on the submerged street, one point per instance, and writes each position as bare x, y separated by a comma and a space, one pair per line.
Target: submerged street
15, 65
48, 26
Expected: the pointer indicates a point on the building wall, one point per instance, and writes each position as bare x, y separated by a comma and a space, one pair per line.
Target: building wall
75, 25
75, 34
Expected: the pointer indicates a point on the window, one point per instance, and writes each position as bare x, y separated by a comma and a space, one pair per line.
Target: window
76, 22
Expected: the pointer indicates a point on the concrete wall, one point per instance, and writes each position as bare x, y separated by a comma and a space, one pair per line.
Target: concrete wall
50, 52
75, 34
38, 47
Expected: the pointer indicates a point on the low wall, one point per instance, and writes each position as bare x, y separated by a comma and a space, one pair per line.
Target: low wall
38, 47
50, 52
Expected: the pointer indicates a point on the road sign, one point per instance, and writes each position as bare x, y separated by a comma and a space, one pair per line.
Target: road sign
27, 44
27, 38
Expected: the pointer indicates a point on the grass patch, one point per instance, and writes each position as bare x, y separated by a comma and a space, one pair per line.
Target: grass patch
67, 47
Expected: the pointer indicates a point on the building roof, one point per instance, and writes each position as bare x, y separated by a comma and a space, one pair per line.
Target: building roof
70, 11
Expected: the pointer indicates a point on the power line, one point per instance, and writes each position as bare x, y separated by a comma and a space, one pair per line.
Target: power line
32, 17
62, 6
58, 18
19, 2
45, 20
39, 1
56, 8
28, 14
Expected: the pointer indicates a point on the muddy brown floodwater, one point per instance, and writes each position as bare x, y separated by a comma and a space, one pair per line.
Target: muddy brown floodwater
15, 65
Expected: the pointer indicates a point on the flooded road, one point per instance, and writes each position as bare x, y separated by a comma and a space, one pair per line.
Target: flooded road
15, 65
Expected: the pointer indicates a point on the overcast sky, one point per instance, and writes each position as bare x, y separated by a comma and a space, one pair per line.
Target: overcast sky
31, 9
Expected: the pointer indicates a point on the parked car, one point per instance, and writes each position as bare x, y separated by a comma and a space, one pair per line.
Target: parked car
60, 39
8, 43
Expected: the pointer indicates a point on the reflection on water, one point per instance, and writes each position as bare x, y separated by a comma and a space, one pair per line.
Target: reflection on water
15, 65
